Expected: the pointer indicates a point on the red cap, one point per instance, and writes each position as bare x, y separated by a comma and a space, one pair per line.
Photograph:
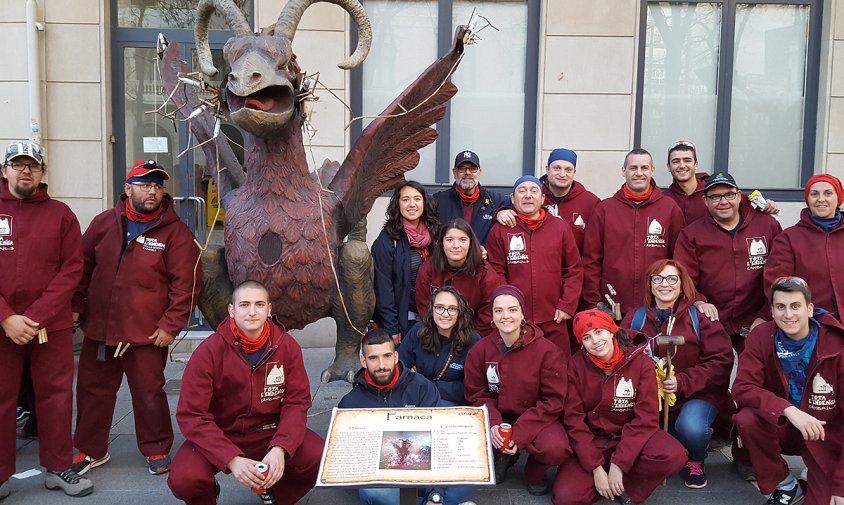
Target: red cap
144, 168
591, 319
831, 179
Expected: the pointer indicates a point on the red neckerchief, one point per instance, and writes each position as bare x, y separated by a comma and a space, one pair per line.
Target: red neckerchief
248, 345
390, 385
608, 365
139, 217
533, 223
418, 236
637, 198
468, 199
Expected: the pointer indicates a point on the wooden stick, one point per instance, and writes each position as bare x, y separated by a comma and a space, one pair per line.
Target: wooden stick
124, 348
117, 351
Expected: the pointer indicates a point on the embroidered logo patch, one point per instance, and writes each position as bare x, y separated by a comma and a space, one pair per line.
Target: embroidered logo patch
273, 382
656, 234
493, 380
6, 243
625, 396
516, 246
823, 394
757, 252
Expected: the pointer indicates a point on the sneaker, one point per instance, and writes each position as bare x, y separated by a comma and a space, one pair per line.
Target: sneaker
745, 470
68, 481
793, 496
623, 499
538, 489
694, 474
502, 463
159, 464
4, 490
267, 497
82, 462
23, 417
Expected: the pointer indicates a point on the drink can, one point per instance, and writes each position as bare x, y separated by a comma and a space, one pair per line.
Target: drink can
264, 469
506, 432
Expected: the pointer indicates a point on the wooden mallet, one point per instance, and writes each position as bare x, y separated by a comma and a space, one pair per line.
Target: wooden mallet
672, 341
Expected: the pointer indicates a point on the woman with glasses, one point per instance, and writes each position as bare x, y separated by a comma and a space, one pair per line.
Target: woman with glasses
700, 367
612, 420
399, 251
437, 346
520, 376
457, 261
812, 248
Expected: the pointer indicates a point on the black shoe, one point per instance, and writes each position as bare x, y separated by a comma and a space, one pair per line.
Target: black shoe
267, 497
623, 499
538, 489
502, 463
745, 470
694, 474
793, 496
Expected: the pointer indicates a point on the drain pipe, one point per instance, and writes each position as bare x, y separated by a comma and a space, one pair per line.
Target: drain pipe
33, 53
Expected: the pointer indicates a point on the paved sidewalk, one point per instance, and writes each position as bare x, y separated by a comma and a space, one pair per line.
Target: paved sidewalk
125, 480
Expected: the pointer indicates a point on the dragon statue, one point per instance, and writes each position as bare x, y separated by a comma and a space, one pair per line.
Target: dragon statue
300, 233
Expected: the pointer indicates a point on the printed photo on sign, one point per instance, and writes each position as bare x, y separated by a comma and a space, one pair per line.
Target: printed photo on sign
405, 450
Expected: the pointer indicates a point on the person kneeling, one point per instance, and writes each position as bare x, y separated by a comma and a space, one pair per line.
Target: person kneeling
787, 389
612, 419
244, 401
520, 376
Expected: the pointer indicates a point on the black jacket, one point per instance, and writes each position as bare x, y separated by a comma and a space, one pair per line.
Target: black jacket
411, 390
450, 206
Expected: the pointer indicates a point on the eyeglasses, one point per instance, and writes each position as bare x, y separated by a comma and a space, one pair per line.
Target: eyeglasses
684, 143
18, 166
442, 309
789, 281
726, 196
672, 279
472, 169
147, 186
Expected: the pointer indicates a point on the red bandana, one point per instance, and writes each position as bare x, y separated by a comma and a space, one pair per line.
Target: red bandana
637, 198
248, 345
390, 385
139, 217
533, 223
608, 365
468, 199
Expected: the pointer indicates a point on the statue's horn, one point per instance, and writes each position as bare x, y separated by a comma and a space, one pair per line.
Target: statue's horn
234, 18
292, 13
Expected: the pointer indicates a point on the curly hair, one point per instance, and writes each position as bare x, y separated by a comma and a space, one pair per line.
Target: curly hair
395, 223
461, 334
474, 262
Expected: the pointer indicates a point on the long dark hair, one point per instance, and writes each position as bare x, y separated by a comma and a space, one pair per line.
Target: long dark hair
395, 224
474, 260
461, 334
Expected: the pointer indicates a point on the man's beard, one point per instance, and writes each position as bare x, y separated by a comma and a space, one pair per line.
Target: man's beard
467, 186
141, 209
386, 381
25, 192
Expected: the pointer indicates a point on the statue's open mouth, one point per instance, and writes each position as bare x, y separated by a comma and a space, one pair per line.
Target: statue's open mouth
272, 99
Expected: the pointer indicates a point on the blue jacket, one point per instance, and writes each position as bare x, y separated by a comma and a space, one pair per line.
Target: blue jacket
431, 364
411, 390
450, 206
392, 282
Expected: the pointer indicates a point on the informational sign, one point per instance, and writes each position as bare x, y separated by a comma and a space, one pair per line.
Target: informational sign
155, 144
444, 446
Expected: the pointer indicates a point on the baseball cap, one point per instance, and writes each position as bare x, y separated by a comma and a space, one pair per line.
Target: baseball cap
25, 148
720, 178
467, 156
146, 169
682, 143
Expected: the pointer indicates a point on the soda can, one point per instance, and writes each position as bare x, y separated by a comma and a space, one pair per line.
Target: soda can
506, 432
264, 469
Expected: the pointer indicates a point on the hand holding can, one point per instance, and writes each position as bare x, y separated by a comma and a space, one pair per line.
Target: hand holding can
506, 432
264, 469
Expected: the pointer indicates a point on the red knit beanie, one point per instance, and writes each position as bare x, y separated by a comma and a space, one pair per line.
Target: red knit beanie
509, 289
589, 320
834, 181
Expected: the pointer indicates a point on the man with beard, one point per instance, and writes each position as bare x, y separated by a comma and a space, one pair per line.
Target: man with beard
467, 199
40, 265
384, 382
140, 283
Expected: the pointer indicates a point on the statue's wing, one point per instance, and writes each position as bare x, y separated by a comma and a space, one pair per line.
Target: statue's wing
389, 146
202, 126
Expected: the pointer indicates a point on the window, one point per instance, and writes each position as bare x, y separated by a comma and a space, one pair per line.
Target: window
737, 79
494, 111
